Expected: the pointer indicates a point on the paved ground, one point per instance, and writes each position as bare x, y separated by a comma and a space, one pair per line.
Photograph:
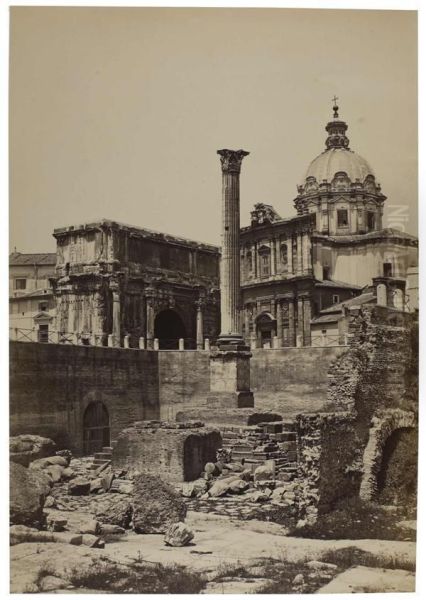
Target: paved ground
218, 542
368, 580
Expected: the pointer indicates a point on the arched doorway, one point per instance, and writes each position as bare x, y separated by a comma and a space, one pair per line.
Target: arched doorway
96, 431
265, 329
168, 328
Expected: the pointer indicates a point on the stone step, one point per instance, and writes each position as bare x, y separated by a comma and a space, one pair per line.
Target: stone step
107, 449
103, 455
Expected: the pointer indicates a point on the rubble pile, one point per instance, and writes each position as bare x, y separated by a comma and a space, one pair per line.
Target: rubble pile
253, 444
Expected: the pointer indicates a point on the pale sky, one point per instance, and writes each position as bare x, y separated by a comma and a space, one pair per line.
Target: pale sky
118, 113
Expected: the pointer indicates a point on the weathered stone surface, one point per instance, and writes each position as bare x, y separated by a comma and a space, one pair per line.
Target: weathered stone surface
193, 488
68, 473
56, 523
178, 535
115, 511
28, 490
318, 565
368, 579
93, 541
26, 448
221, 486
238, 486
50, 502
95, 485
21, 533
264, 473
171, 451
55, 472
51, 583
67, 454
210, 469
156, 505
79, 487
107, 529
92, 527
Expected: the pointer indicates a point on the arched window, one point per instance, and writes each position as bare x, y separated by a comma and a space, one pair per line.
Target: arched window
265, 261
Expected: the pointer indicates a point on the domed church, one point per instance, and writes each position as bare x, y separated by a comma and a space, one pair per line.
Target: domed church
298, 271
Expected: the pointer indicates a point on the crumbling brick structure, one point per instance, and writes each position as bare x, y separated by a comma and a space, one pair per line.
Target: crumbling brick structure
375, 385
176, 452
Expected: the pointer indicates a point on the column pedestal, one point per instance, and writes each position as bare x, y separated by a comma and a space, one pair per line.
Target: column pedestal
230, 379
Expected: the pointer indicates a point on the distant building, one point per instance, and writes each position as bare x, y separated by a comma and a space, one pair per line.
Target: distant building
119, 284
32, 306
118, 280
292, 269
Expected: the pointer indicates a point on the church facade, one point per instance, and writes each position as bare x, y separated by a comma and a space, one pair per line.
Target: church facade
335, 246
121, 281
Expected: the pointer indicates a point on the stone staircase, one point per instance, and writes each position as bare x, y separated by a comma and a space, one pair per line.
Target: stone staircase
102, 458
252, 445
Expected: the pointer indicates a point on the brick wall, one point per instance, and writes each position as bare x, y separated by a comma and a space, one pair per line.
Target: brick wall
184, 380
51, 385
173, 452
292, 380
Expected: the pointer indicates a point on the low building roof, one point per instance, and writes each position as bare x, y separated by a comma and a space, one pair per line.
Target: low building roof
40, 293
332, 283
37, 258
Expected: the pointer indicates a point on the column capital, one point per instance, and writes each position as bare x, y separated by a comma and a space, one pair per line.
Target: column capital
231, 160
200, 303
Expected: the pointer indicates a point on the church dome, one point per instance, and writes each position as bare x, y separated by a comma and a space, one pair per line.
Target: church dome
338, 159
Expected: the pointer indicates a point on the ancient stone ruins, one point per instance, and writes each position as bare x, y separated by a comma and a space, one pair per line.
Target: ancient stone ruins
221, 468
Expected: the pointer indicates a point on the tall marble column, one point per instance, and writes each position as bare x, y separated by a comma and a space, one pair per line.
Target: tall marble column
247, 324
306, 321
200, 325
230, 363
299, 263
300, 322
116, 314
279, 324
273, 257
290, 256
230, 260
291, 323
150, 318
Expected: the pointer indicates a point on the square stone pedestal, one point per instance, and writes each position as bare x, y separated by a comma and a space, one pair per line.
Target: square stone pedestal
230, 378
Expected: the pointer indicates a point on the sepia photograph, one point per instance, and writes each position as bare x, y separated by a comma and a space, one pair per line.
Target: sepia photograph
213, 264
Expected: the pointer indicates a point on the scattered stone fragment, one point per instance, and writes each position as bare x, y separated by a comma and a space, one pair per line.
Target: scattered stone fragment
26, 448
92, 541
115, 511
55, 472
263, 472
50, 502
79, 487
107, 529
51, 583
28, 490
156, 505
67, 454
95, 485
321, 566
68, 473
211, 469
238, 486
178, 535
92, 527
56, 522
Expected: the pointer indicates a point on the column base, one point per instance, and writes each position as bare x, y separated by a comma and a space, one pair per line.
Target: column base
242, 399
